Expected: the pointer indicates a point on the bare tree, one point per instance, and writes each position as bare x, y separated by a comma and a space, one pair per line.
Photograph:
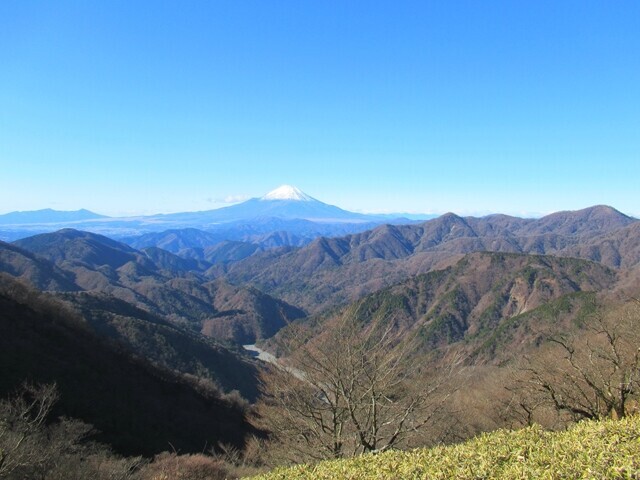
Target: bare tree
33, 447
305, 416
350, 390
22, 421
594, 374
525, 403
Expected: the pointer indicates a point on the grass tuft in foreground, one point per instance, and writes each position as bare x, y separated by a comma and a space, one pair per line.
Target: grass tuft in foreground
603, 450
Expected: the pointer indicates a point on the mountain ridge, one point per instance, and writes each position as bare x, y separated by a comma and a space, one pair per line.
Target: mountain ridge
330, 271
160, 283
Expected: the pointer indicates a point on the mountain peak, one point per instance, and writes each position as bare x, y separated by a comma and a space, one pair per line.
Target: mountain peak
287, 192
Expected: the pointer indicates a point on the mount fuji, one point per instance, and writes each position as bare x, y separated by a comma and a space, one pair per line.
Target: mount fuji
285, 203
284, 216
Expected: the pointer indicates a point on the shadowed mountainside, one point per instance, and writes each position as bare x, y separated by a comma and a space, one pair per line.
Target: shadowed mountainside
164, 344
136, 407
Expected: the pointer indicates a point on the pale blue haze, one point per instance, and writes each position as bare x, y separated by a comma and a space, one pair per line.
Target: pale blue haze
135, 107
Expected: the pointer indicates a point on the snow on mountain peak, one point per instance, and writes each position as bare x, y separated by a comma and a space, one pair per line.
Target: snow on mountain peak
287, 192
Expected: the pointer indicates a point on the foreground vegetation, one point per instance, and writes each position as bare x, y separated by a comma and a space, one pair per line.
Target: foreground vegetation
607, 449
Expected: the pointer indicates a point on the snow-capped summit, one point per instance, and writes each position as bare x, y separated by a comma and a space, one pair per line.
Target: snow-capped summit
287, 192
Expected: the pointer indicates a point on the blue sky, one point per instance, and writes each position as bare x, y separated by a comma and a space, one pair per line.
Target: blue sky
128, 107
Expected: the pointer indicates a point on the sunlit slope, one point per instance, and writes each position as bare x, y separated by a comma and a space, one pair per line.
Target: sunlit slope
603, 450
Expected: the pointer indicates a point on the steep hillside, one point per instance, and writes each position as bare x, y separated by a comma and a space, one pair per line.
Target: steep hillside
162, 343
137, 408
469, 301
620, 248
245, 315
150, 335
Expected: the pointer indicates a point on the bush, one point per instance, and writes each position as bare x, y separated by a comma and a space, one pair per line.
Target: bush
31, 446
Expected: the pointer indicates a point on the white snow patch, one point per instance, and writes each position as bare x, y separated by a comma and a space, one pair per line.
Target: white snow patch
287, 192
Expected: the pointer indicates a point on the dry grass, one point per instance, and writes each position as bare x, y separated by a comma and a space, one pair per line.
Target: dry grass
599, 450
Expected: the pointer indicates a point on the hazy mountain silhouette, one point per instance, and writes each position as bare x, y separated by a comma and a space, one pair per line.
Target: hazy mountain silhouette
286, 209
48, 216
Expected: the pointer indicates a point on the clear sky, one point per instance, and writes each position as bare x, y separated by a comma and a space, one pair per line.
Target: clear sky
128, 107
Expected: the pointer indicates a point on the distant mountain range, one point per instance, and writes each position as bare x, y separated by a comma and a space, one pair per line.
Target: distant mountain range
48, 216
286, 209
330, 271
313, 276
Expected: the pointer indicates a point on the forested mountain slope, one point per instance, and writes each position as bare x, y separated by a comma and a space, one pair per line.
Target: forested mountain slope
330, 271
470, 301
162, 284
